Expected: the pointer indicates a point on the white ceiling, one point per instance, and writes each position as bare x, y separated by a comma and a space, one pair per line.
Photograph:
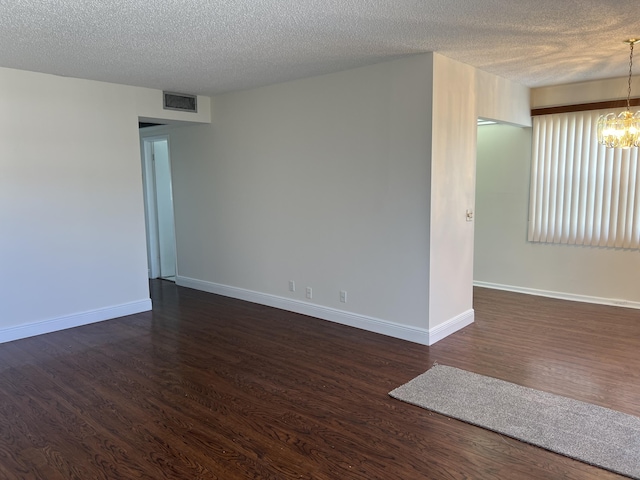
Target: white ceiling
214, 46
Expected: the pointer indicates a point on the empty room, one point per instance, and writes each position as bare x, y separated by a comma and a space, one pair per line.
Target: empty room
278, 240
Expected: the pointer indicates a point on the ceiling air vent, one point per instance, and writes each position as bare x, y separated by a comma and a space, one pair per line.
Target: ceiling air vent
180, 101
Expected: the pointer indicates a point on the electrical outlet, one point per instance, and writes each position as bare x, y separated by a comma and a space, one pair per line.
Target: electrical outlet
343, 296
292, 286
309, 293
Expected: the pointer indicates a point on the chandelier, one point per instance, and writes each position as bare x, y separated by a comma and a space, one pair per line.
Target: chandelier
623, 130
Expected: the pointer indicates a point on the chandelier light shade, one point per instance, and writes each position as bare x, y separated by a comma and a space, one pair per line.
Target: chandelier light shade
622, 130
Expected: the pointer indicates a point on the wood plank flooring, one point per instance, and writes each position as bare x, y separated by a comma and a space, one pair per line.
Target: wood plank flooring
207, 387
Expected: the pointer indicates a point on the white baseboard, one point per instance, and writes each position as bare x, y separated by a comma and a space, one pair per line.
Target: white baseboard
384, 327
452, 325
561, 295
74, 320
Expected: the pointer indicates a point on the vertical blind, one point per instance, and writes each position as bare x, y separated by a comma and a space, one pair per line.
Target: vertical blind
581, 192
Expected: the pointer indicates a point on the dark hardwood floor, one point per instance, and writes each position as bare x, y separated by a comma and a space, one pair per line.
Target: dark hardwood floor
207, 387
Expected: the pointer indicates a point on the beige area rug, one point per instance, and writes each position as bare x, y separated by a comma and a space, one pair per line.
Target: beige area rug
589, 433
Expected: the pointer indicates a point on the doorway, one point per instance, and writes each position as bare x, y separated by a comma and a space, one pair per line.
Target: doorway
161, 236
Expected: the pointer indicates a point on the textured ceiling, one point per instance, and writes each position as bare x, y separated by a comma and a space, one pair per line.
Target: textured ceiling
214, 46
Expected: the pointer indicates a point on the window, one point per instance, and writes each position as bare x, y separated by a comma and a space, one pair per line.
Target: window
581, 192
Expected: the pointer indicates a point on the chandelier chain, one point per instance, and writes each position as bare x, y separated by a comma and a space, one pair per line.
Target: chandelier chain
630, 65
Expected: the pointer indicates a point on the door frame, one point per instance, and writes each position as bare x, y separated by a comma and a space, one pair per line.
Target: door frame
150, 202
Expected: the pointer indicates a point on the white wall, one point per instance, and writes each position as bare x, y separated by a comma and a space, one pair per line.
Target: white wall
503, 256
452, 191
584, 92
502, 100
324, 181
327, 181
72, 240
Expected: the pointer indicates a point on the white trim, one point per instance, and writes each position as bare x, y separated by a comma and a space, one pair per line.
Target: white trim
561, 295
452, 325
371, 324
75, 320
